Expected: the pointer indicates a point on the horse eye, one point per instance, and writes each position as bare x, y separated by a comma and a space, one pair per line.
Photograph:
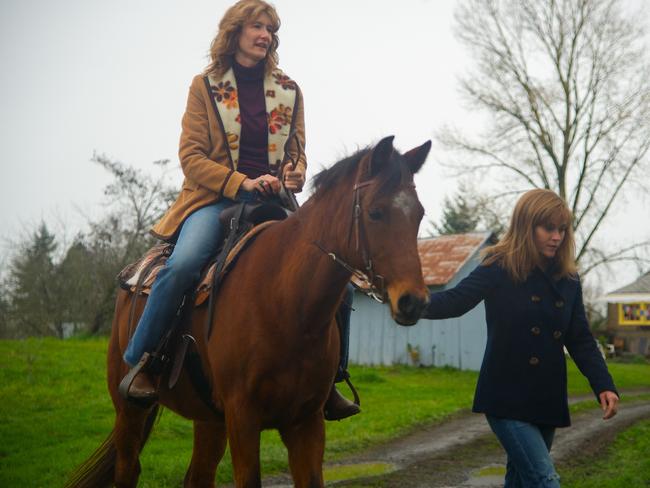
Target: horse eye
375, 214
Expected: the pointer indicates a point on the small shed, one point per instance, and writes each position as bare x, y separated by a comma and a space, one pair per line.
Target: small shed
375, 338
628, 316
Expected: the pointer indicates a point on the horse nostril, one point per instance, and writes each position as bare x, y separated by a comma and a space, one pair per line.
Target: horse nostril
409, 305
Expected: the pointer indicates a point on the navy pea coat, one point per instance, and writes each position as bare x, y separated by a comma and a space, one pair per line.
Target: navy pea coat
523, 374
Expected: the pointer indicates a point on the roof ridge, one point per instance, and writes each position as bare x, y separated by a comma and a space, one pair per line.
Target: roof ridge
640, 285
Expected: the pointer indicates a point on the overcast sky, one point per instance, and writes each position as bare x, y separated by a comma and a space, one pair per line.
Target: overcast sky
79, 76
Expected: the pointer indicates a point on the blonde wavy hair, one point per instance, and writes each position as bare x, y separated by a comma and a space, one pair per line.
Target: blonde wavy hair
224, 45
516, 251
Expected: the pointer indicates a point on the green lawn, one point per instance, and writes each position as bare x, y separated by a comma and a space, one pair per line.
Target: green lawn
55, 410
624, 464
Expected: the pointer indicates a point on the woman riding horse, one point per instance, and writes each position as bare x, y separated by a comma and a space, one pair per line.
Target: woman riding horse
239, 115
271, 362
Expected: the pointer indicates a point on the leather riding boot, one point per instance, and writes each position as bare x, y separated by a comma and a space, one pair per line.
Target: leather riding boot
138, 384
337, 407
142, 387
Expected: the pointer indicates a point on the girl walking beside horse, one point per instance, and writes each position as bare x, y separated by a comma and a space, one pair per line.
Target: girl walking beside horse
239, 115
275, 349
534, 309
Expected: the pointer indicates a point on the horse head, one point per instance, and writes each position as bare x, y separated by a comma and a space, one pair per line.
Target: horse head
381, 225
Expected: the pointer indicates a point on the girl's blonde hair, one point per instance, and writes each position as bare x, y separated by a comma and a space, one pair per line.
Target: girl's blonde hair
516, 251
224, 45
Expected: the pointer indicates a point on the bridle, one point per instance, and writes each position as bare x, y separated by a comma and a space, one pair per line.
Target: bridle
367, 281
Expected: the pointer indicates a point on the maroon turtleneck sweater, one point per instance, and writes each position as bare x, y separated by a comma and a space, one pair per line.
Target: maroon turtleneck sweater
253, 147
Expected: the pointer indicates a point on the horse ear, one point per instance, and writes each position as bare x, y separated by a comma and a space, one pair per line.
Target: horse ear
380, 155
415, 157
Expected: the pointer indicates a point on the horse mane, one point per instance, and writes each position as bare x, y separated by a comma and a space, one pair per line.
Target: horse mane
329, 178
389, 178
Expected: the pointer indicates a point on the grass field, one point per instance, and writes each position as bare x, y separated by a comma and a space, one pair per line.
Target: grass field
55, 410
624, 464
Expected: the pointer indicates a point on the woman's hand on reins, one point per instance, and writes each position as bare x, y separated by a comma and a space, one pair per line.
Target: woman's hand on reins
294, 180
266, 185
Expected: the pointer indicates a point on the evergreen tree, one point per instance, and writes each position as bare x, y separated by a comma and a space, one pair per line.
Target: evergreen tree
5, 322
33, 294
470, 211
78, 284
458, 216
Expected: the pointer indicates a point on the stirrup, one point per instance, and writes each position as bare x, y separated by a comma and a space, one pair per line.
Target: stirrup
357, 400
346, 378
127, 381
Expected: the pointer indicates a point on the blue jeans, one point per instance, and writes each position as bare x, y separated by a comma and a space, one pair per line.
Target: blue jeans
199, 239
528, 446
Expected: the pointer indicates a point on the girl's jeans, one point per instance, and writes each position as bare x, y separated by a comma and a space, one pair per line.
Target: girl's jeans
528, 446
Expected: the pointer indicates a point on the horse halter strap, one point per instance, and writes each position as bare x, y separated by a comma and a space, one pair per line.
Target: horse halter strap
357, 227
372, 284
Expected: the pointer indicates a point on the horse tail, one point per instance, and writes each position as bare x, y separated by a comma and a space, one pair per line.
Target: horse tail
98, 471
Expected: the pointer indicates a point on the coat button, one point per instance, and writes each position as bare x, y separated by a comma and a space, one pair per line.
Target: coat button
536, 330
557, 334
559, 304
536, 298
533, 361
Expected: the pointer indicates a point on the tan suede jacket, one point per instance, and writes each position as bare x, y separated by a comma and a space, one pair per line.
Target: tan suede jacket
207, 140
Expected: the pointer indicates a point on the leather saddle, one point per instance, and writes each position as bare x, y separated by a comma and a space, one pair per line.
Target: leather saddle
251, 219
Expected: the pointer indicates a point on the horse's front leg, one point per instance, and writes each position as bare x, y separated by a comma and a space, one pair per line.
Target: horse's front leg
244, 426
209, 446
306, 444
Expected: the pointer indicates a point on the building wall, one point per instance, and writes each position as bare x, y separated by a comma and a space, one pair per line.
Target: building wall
376, 339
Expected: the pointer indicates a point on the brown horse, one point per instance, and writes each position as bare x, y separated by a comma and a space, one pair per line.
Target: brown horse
273, 353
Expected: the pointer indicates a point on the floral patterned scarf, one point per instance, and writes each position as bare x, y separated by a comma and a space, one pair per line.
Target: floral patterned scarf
280, 98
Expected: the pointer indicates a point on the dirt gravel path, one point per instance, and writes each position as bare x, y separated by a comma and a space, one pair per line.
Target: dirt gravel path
473, 458
463, 453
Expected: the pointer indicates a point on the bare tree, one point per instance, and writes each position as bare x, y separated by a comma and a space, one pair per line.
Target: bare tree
134, 202
566, 85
